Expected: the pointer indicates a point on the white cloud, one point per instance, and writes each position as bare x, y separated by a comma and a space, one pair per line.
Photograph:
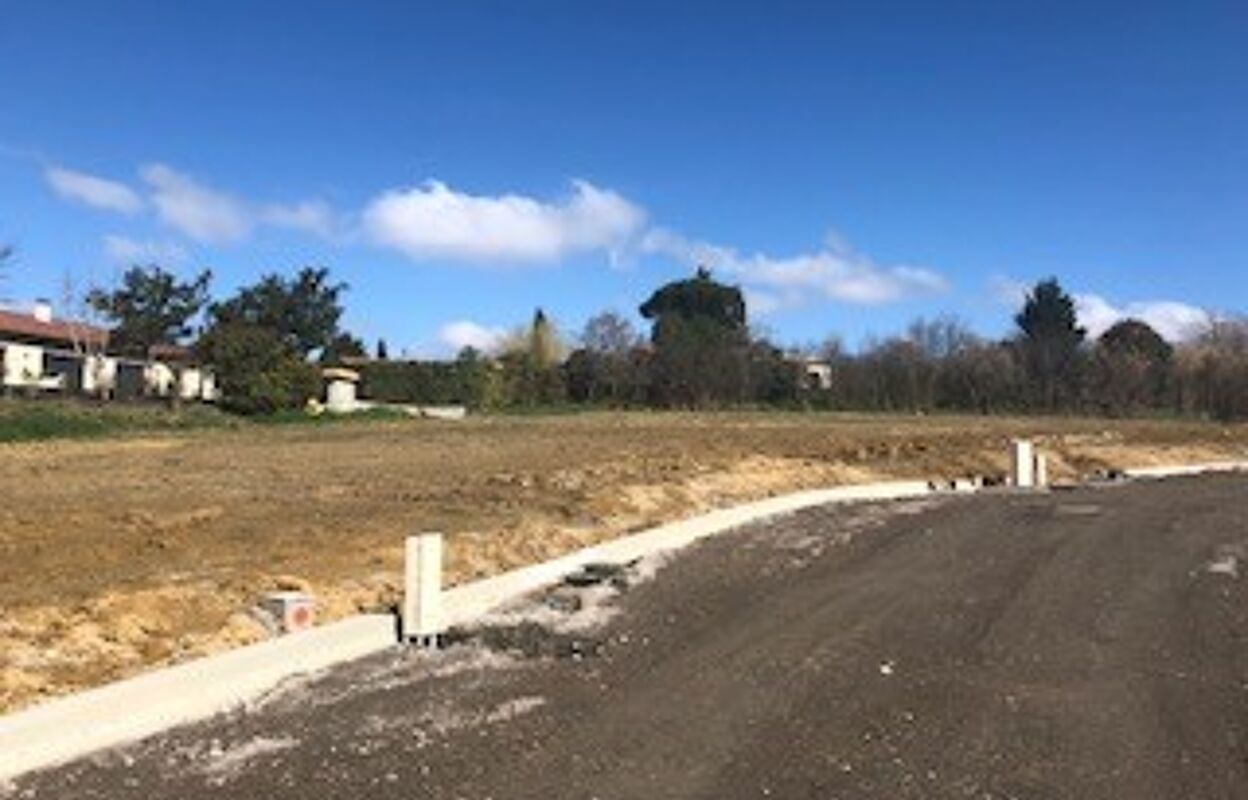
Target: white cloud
128, 252
93, 190
762, 304
1008, 292
310, 216
198, 211
465, 333
1175, 321
434, 221
836, 272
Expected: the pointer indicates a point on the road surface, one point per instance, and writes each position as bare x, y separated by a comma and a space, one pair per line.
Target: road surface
1080, 644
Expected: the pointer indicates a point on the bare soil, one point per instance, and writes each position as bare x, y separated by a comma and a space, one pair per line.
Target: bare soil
1080, 644
117, 555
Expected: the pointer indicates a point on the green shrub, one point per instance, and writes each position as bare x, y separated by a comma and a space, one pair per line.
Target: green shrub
257, 373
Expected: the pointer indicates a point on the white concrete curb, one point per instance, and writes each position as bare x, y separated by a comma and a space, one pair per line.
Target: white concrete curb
463, 604
68, 728
130, 710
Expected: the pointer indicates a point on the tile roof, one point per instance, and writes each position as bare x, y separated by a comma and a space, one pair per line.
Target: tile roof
30, 327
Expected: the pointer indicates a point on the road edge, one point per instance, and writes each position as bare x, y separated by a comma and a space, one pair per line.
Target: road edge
128, 711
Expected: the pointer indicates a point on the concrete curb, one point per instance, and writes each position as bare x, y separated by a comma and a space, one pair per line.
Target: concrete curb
133, 709
130, 710
463, 604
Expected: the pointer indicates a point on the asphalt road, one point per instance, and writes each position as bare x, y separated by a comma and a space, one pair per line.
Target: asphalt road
1081, 644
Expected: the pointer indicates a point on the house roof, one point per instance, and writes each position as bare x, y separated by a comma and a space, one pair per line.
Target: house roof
340, 374
27, 326
170, 352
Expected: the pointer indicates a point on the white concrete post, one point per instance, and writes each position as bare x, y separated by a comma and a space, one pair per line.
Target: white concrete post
1041, 470
1022, 464
422, 588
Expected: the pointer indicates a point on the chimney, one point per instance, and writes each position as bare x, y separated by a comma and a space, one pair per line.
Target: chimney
42, 311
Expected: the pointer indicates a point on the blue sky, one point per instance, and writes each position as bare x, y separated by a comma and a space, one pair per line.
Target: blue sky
852, 166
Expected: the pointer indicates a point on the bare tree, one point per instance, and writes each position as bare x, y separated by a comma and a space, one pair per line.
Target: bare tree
1212, 371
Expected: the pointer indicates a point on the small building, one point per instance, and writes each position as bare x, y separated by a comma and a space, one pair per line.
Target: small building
41, 353
817, 375
174, 368
340, 389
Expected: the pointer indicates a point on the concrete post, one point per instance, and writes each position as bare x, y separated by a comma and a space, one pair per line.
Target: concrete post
1022, 464
422, 589
1041, 470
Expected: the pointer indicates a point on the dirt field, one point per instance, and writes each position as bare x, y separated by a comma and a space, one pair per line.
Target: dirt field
120, 554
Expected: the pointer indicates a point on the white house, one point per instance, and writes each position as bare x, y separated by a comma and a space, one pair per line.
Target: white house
42, 354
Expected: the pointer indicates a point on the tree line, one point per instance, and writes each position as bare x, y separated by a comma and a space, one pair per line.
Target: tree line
700, 352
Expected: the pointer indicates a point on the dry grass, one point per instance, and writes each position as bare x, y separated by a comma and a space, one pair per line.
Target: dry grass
119, 554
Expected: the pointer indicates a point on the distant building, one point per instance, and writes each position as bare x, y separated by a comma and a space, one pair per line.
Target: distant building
815, 374
175, 368
340, 389
42, 354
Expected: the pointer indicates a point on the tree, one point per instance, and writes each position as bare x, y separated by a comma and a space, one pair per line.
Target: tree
382, 353
609, 334
602, 370
774, 379
343, 345
545, 345
1049, 343
698, 298
257, 371
303, 312
941, 337
700, 341
1130, 367
1211, 373
531, 360
151, 307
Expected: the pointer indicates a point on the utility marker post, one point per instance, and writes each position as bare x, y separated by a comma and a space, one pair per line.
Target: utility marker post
422, 589
1041, 470
1022, 464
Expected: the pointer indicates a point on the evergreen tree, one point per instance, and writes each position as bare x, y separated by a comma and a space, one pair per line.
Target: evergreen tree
1049, 344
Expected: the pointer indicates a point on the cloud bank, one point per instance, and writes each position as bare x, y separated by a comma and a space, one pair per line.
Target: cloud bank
194, 209
1175, 321
309, 216
126, 252
93, 191
434, 221
836, 272
466, 333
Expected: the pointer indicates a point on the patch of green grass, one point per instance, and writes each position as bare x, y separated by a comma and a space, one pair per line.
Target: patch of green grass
299, 417
36, 420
